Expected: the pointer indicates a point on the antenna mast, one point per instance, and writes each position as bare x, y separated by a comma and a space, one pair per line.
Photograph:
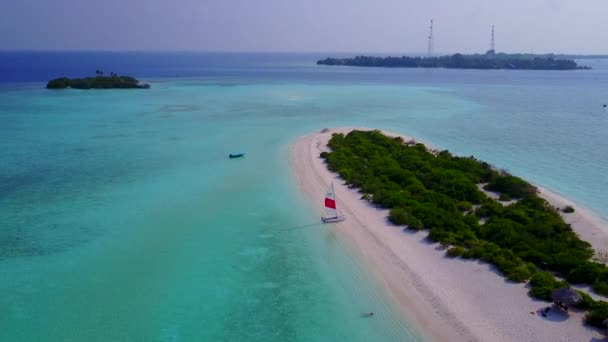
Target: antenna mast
430, 47
492, 40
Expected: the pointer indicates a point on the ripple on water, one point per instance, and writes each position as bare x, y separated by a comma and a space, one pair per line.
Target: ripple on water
253, 301
179, 108
259, 251
169, 333
110, 136
267, 285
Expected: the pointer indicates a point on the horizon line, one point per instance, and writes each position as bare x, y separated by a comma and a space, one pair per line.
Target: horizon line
280, 52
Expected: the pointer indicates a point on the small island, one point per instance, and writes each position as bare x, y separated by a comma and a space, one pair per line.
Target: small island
489, 60
100, 81
524, 237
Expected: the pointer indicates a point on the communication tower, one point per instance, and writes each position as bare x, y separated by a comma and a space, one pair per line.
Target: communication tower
492, 40
431, 43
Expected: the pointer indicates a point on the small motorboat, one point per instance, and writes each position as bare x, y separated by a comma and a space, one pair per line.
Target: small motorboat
236, 155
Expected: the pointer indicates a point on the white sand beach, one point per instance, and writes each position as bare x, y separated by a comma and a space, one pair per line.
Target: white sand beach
448, 299
586, 224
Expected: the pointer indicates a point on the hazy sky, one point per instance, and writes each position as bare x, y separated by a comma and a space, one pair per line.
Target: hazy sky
563, 26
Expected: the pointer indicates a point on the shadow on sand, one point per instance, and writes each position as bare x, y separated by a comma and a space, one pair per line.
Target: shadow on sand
594, 339
550, 313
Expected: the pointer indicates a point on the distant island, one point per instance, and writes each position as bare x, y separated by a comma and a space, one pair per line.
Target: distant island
489, 60
98, 82
562, 56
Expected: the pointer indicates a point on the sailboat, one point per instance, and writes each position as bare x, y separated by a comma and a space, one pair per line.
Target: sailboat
330, 207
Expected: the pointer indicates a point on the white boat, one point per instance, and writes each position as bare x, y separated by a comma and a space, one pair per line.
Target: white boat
330, 207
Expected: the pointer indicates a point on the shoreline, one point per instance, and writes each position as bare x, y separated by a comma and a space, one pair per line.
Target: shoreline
447, 299
588, 225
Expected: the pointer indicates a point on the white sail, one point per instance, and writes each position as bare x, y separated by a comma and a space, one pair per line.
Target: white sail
330, 202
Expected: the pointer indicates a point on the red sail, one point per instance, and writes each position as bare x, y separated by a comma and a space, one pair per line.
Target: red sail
330, 203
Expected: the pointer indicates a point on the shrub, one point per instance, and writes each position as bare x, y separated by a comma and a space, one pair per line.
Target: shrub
513, 186
489, 208
568, 259
415, 224
442, 236
597, 314
587, 303
475, 251
492, 253
520, 273
504, 197
400, 216
543, 283
472, 222
601, 287
518, 215
568, 209
465, 206
456, 251
587, 273
532, 268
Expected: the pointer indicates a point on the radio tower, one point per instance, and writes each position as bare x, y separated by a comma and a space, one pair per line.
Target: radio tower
430, 47
492, 40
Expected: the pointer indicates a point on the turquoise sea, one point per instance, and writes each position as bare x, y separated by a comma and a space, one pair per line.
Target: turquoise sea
122, 219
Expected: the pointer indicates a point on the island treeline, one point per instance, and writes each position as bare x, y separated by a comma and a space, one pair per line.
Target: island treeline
525, 238
98, 82
460, 61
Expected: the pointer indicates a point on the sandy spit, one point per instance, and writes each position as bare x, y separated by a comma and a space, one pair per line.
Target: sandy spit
447, 299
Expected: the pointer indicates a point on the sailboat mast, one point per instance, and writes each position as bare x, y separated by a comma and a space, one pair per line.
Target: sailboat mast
334, 193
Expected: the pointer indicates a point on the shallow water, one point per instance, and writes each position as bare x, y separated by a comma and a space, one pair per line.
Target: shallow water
123, 218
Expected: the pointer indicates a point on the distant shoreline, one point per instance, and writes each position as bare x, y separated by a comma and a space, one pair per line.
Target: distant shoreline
487, 61
448, 299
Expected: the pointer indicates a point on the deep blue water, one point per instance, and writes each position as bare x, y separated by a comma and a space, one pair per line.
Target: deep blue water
23, 66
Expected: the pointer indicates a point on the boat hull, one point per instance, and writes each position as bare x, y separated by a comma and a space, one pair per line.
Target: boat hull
237, 155
338, 218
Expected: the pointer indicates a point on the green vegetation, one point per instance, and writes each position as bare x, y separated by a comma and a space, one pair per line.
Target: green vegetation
504, 197
489, 60
511, 185
527, 239
598, 312
543, 283
98, 82
568, 209
587, 302
456, 251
